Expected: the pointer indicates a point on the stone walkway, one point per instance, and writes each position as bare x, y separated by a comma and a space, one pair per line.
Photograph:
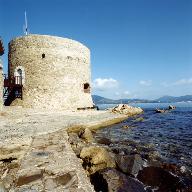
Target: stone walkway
35, 155
50, 165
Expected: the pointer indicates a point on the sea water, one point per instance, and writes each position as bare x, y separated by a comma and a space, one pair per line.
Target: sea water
170, 133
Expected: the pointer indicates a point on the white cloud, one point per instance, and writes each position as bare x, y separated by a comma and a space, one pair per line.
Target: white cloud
145, 83
183, 81
105, 84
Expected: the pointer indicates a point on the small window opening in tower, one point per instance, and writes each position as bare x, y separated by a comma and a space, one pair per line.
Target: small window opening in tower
86, 88
43, 55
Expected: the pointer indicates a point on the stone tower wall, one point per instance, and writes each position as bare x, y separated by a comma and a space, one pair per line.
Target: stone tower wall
54, 71
1, 85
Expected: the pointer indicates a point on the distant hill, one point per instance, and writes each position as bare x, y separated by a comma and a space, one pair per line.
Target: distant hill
169, 99
102, 100
165, 99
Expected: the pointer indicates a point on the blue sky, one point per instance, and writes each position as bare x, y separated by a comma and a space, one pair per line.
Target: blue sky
139, 48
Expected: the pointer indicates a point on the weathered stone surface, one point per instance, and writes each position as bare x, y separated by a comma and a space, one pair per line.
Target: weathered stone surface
46, 166
2, 187
126, 109
130, 164
12, 152
37, 141
54, 72
96, 158
77, 144
87, 135
111, 180
1, 86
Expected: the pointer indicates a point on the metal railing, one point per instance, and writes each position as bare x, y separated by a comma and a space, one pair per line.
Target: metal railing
12, 81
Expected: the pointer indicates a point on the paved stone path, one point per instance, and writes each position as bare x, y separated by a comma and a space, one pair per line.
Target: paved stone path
35, 155
49, 165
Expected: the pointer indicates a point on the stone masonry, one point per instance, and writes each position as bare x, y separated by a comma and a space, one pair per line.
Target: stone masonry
55, 72
1, 74
1, 86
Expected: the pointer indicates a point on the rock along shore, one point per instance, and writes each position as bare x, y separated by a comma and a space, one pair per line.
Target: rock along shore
35, 154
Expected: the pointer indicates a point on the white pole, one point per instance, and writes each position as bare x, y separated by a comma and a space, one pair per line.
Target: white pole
26, 27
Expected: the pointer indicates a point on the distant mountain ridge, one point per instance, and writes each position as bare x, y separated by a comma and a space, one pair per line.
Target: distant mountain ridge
102, 100
165, 99
168, 99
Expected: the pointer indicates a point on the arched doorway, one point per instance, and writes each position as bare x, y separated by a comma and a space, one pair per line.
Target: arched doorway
19, 75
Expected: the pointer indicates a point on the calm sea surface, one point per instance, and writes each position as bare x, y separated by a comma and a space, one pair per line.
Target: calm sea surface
170, 133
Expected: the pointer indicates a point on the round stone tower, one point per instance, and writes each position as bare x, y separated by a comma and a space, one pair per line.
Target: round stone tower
55, 72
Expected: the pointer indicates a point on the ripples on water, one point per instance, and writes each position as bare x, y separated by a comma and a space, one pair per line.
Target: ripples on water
170, 133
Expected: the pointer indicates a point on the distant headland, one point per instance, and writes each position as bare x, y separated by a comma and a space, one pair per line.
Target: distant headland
165, 99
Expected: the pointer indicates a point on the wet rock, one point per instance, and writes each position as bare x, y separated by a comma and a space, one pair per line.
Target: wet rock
126, 109
153, 155
183, 169
99, 183
87, 135
171, 107
96, 158
125, 126
162, 179
160, 111
111, 180
76, 143
104, 141
185, 185
130, 164
170, 167
122, 150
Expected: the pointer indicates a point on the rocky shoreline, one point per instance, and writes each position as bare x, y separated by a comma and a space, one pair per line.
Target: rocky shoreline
58, 151
122, 169
127, 166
